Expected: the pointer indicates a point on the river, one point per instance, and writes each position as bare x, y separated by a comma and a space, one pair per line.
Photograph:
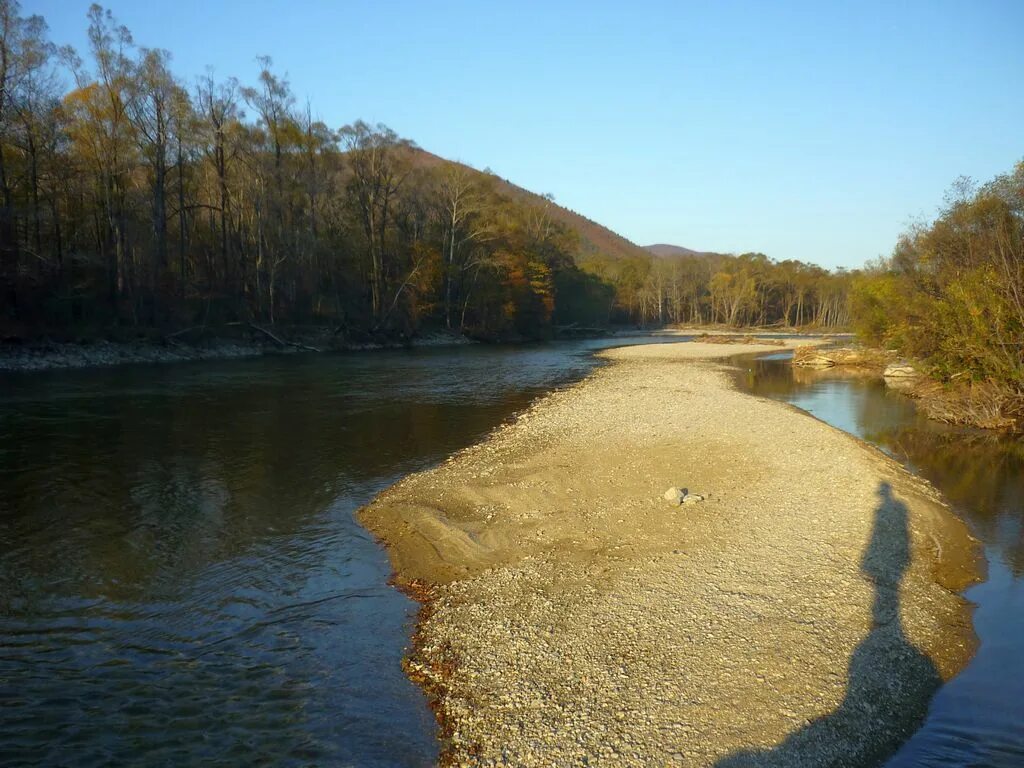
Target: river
182, 580
181, 576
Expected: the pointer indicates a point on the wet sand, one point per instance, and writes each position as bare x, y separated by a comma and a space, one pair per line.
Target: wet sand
803, 614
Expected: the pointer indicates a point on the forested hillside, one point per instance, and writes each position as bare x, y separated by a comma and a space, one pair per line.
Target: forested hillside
130, 198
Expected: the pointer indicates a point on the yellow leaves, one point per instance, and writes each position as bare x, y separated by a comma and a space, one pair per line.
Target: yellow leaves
98, 129
720, 282
80, 97
539, 277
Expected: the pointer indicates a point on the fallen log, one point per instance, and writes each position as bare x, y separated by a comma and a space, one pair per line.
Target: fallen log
283, 342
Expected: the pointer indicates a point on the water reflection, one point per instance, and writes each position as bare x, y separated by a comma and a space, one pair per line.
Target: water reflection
181, 578
975, 718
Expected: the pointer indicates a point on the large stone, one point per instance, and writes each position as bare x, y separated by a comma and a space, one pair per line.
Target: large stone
674, 496
901, 371
902, 377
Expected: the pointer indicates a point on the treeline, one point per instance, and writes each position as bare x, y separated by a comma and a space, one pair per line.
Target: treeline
952, 294
130, 198
746, 290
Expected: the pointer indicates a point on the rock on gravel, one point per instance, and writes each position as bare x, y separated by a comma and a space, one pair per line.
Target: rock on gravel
674, 496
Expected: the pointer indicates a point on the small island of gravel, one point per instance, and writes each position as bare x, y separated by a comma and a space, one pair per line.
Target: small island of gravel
801, 615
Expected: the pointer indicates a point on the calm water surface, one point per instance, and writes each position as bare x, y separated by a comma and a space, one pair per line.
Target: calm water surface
181, 577
977, 718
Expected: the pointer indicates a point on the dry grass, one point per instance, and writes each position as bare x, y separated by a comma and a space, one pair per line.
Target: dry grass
987, 405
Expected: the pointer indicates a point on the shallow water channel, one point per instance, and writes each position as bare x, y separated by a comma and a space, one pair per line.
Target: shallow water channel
181, 577
977, 718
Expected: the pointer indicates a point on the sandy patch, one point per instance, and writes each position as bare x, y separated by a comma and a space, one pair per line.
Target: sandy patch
802, 615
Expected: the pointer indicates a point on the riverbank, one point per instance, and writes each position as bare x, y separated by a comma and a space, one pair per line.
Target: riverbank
254, 342
805, 611
985, 405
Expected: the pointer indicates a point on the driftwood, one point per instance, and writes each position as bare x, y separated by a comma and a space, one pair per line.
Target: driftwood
814, 357
721, 338
170, 338
183, 331
203, 328
283, 342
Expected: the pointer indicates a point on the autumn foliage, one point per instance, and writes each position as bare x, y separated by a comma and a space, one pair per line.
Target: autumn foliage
952, 294
130, 199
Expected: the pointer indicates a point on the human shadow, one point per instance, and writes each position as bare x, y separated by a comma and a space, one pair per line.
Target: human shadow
889, 681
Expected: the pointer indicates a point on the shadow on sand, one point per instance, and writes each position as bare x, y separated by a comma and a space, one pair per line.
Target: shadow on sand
889, 681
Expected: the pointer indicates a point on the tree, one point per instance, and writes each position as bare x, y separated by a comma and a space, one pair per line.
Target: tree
273, 101
275, 217
952, 293
460, 202
26, 86
378, 169
157, 108
105, 125
218, 121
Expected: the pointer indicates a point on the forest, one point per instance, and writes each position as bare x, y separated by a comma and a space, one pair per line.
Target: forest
130, 199
710, 288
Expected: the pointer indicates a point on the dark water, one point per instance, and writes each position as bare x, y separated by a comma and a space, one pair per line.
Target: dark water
977, 718
181, 577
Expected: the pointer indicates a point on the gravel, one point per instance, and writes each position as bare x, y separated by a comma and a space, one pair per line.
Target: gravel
801, 615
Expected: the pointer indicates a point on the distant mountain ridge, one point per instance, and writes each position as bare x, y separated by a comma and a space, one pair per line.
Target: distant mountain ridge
665, 250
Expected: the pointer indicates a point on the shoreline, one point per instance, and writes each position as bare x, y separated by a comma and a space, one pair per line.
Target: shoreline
570, 612
40, 355
37, 356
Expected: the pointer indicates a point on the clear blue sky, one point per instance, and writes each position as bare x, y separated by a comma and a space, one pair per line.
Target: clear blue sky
804, 130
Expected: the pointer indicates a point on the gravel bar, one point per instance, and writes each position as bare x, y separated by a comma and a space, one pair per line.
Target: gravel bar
802, 614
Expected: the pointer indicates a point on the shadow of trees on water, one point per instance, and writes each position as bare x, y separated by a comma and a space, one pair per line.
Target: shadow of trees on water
889, 681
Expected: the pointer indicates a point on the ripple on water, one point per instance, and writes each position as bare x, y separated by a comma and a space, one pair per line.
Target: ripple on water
181, 577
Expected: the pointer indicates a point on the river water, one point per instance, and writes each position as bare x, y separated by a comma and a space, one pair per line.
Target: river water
977, 718
182, 580
181, 576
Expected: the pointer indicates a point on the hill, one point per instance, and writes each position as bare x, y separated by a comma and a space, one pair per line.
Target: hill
664, 250
594, 238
